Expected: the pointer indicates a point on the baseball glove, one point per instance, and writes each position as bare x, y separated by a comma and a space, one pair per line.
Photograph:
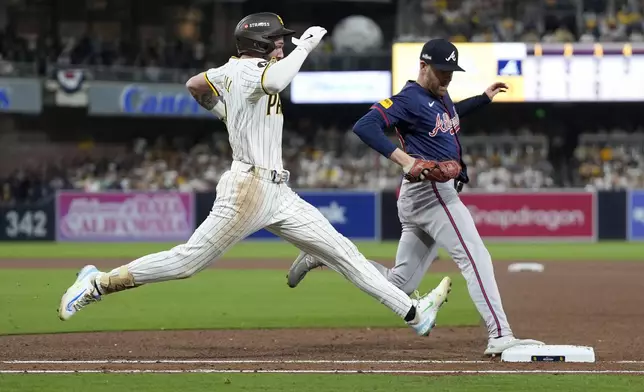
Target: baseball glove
423, 170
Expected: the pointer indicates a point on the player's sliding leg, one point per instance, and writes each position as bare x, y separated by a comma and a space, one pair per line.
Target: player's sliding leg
239, 210
305, 227
415, 254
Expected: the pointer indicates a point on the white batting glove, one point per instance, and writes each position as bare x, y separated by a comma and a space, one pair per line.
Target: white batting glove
310, 39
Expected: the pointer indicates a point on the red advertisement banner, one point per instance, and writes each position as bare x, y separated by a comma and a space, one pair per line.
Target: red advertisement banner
533, 215
122, 217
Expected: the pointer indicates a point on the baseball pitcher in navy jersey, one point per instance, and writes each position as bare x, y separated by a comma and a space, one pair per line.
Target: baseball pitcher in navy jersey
430, 210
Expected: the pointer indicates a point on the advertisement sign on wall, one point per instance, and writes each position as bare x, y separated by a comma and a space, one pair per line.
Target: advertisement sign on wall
484, 64
356, 215
28, 222
635, 215
20, 95
124, 217
541, 72
341, 87
152, 100
570, 216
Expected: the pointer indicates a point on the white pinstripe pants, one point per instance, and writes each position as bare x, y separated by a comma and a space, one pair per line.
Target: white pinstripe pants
246, 203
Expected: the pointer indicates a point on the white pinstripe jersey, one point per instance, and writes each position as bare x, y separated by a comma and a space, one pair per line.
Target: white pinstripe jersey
254, 118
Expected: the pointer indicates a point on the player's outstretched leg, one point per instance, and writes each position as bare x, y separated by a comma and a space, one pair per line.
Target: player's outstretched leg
230, 220
91, 284
305, 227
179, 262
453, 228
415, 254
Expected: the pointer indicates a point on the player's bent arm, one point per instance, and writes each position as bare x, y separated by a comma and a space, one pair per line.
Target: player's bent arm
199, 84
470, 104
278, 75
206, 95
371, 130
402, 159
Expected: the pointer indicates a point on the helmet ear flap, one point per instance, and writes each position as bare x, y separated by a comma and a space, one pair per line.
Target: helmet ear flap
264, 47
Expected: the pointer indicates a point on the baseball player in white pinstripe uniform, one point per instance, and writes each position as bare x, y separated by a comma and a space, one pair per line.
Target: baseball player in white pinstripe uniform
253, 194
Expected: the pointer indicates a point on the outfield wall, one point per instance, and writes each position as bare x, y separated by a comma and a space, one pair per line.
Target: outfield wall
552, 215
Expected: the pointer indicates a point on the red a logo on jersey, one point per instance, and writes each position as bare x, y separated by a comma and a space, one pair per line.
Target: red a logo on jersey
445, 123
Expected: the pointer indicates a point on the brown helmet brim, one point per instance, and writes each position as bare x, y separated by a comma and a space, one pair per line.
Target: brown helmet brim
282, 32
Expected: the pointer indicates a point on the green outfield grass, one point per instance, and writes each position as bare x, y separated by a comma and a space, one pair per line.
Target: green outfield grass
604, 251
317, 383
212, 299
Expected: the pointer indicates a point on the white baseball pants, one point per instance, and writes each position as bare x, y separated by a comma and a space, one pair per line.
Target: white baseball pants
248, 200
433, 216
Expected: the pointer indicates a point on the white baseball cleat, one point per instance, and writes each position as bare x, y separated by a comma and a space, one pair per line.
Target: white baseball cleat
498, 345
300, 267
427, 307
80, 294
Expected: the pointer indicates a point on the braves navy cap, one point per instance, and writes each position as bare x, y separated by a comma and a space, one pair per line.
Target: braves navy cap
442, 54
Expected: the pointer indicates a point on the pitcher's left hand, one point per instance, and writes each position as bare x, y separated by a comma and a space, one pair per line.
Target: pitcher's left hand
496, 88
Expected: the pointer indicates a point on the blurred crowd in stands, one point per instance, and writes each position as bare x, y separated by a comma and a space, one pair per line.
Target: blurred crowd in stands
85, 50
531, 21
458, 20
334, 158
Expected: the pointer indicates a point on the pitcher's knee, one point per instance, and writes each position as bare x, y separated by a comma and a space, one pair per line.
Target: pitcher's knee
466, 253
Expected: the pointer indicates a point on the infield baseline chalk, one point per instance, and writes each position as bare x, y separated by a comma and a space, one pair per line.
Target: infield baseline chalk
148, 371
257, 361
232, 362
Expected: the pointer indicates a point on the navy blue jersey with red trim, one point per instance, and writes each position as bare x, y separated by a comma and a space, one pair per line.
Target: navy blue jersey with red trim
427, 125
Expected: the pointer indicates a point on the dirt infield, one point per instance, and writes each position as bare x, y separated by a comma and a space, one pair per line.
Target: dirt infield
586, 303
